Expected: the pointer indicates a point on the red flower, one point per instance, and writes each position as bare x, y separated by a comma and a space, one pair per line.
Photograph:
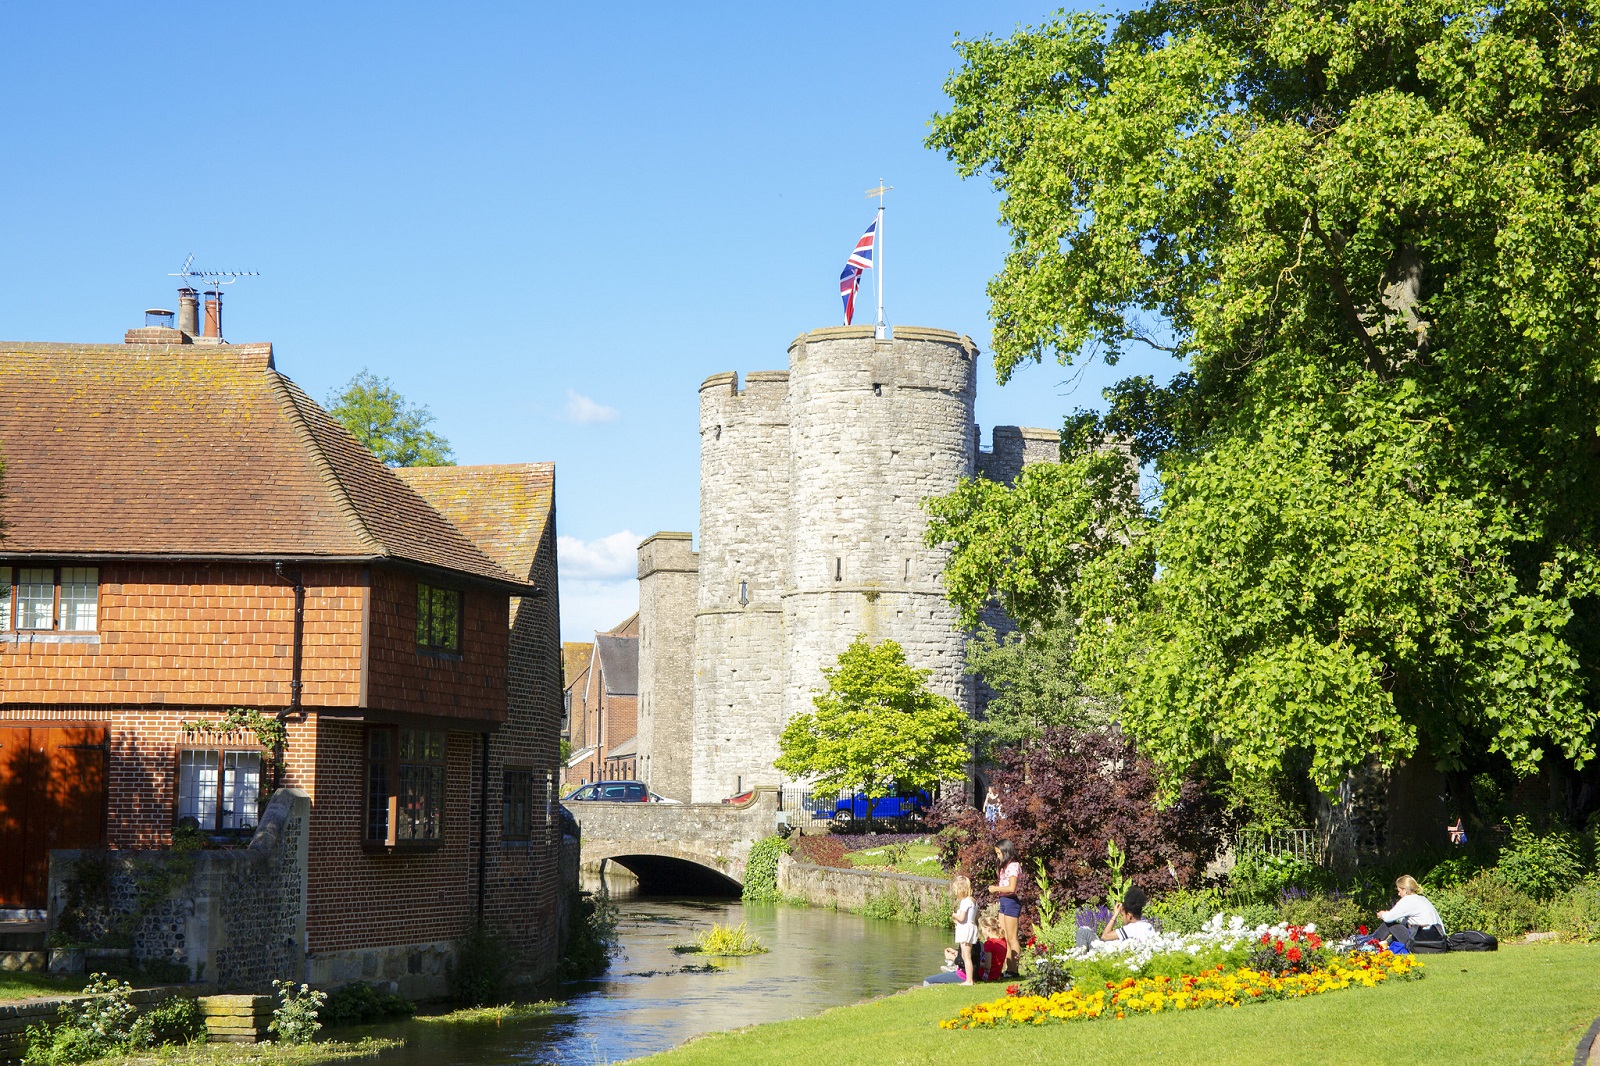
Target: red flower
1361, 929
1314, 940
1012, 990
1294, 954
1278, 947
1266, 938
1294, 934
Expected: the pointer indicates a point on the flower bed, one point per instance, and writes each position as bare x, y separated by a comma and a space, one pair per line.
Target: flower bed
1218, 987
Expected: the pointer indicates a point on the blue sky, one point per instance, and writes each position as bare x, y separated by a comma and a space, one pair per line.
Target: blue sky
547, 222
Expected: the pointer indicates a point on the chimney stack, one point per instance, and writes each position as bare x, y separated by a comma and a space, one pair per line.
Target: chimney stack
189, 311
213, 313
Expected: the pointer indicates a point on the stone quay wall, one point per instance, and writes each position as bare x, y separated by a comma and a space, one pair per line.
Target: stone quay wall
852, 890
236, 919
17, 1016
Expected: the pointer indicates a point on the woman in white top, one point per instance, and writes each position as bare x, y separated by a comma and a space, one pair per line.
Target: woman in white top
1411, 919
965, 917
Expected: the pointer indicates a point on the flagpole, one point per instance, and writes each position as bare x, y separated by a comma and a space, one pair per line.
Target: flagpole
877, 259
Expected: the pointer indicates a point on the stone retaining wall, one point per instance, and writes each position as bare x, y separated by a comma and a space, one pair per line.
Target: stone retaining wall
236, 918
17, 1016
852, 890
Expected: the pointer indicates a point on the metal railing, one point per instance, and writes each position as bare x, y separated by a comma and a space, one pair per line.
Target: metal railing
1302, 844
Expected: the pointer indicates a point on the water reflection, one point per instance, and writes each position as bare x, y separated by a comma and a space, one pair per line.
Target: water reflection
647, 1003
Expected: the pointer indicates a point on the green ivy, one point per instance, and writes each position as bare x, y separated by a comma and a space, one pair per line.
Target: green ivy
761, 870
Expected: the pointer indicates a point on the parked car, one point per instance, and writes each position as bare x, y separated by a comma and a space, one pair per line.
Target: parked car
613, 791
620, 792
847, 810
743, 797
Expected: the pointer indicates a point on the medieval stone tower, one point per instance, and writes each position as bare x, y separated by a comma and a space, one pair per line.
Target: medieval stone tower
811, 525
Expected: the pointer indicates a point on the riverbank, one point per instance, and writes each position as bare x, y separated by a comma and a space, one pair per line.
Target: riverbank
1524, 1004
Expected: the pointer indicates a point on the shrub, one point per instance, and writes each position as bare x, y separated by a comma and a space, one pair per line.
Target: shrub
1064, 797
295, 1019
177, 1021
1489, 904
822, 851
484, 964
89, 1028
1185, 910
1257, 877
1334, 914
761, 870
1576, 914
357, 1003
1540, 864
592, 939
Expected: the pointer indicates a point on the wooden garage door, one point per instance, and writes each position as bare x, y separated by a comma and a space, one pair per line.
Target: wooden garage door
52, 795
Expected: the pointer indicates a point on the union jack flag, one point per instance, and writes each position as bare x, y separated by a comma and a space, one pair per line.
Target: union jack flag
861, 258
849, 282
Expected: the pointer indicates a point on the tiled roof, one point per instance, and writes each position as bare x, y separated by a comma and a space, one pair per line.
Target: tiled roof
574, 660
619, 663
197, 451
503, 508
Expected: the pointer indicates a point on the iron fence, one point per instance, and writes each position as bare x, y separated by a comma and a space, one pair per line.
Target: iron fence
1302, 844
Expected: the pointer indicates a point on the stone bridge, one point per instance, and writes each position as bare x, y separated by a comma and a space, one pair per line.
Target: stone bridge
695, 848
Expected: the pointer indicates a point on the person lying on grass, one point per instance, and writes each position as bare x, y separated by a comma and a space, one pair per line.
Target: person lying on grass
1126, 922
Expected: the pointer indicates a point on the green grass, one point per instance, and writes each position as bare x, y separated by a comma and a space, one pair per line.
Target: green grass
506, 1012
919, 859
724, 941
1525, 1004
14, 985
262, 1054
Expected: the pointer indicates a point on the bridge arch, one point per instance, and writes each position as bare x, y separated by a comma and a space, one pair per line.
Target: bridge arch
672, 871
671, 845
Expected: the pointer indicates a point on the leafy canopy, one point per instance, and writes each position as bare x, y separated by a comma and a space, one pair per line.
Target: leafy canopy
876, 725
1370, 229
380, 418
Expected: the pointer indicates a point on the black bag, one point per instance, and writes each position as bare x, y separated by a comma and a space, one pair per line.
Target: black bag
1428, 940
1472, 940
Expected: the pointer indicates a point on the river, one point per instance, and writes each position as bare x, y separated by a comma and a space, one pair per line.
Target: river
647, 1002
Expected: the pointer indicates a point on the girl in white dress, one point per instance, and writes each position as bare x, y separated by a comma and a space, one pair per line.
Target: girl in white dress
965, 917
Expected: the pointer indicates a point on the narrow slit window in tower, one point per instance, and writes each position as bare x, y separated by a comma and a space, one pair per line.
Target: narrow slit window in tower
838, 569
877, 389
908, 570
744, 594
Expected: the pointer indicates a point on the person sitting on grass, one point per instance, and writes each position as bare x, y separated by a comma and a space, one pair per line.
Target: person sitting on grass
1126, 922
1413, 920
992, 966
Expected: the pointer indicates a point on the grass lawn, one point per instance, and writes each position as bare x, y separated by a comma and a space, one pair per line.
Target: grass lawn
919, 859
260, 1054
1524, 1004
15, 985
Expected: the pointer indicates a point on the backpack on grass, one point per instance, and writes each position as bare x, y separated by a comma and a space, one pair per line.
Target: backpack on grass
1472, 940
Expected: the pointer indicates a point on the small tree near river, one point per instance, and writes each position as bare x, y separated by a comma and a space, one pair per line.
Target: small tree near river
875, 727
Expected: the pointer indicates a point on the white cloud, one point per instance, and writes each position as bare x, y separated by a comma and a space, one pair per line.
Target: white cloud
590, 607
584, 411
608, 558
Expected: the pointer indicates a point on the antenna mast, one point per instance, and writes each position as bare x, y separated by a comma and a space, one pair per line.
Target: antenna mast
213, 281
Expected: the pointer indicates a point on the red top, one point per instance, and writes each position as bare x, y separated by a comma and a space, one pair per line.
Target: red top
997, 959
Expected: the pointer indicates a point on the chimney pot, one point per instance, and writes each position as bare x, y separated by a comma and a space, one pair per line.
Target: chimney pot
189, 311
214, 313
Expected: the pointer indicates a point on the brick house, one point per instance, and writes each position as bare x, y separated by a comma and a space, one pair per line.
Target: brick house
575, 655
166, 506
605, 715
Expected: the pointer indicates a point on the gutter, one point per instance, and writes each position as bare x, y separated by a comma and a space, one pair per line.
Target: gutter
294, 707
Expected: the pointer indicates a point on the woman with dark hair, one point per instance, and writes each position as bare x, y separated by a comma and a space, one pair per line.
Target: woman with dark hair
1005, 888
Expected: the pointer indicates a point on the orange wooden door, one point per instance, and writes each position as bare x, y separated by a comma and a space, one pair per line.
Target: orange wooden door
52, 795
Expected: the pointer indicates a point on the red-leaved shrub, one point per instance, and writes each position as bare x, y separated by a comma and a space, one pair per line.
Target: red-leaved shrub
1067, 794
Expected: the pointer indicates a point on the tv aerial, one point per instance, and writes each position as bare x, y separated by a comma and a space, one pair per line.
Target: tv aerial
212, 279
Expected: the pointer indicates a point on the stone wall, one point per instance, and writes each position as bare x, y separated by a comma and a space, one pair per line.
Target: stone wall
17, 1017
236, 919
669, 578
852, 890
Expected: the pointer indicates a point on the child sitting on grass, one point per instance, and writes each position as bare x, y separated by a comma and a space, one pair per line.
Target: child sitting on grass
994, 949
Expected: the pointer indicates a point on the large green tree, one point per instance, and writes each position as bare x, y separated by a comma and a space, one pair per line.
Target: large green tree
1371, 231
380, 417
875, 726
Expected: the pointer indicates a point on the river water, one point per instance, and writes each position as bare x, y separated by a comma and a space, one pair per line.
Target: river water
648, 1001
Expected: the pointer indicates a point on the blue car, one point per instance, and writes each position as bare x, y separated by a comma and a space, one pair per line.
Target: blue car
847, 810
